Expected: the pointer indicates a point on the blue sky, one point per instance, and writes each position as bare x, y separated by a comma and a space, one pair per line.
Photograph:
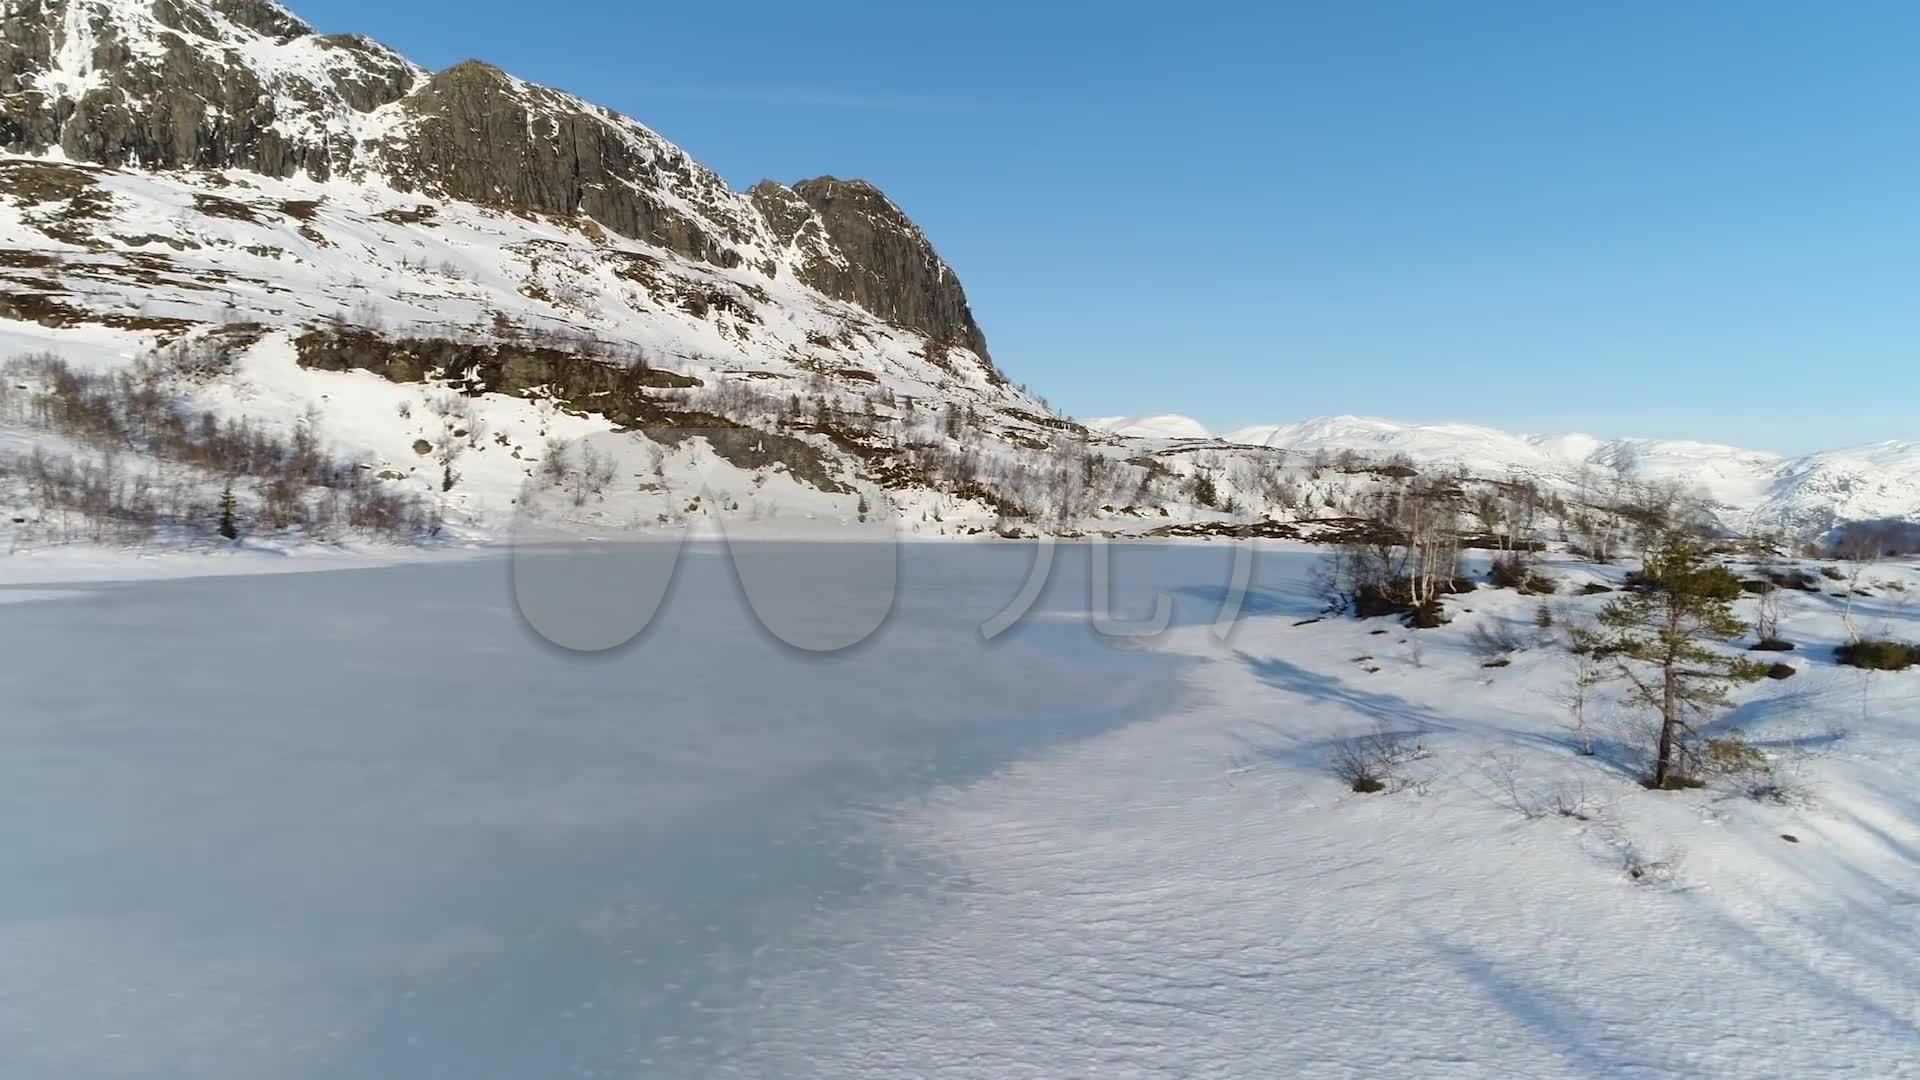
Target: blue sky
1695, 220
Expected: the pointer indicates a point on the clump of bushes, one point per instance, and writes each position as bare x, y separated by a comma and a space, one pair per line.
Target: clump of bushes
1494, 639
1512, 571
1674, 782
1745, 769
1428, 616
1786, 579
1731, 755
1878, 655
1395, 597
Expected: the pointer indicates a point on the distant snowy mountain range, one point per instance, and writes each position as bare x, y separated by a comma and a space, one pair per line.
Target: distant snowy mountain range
1804, 495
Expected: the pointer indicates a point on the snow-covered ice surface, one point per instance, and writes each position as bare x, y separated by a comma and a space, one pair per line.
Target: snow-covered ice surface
364, 824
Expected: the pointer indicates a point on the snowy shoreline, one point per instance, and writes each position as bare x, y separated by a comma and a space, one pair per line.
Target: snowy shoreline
1196, 895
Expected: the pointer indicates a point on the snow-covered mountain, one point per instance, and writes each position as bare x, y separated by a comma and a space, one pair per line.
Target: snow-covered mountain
1164, 426
244, 84
355, 238
214, 174
1805, 495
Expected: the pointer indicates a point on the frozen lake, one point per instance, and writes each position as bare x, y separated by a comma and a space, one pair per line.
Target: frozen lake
369, 824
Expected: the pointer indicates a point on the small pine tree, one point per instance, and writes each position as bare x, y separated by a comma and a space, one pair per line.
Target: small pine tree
1204, 491
1543, 617
864, 508
1659, 638
1587, 673
229, 525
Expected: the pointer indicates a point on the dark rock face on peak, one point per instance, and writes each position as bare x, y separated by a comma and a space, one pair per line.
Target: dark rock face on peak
481, 136
262, 17
889, 267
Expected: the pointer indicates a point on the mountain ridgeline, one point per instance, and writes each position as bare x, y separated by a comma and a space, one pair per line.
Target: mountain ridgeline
244, 84
252, 209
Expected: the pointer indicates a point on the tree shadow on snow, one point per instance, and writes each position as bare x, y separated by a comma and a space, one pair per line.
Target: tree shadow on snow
1587, 1041
1396, 715
1768, 955
1256, 603
1387, 714
1749, 716
1390, 710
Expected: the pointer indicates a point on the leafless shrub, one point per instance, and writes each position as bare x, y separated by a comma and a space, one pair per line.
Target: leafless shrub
1374, 762
1533, 801
366, 314
556, 461
595, 474
1494, 638
447, 449
1766, 613
197, 358
449, 407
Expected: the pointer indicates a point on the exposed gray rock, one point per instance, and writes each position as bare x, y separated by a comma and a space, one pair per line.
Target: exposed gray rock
481, 136
888, 266
188, 98
262, 17
372, 75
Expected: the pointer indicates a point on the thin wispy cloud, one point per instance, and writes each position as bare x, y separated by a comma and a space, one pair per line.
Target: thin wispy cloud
818, 97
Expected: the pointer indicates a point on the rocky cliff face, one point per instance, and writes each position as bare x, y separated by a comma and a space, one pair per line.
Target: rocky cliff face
244, 84
189, 84
888, 267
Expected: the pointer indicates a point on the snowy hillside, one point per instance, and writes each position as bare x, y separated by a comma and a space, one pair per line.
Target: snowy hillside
570, 280
1751, 489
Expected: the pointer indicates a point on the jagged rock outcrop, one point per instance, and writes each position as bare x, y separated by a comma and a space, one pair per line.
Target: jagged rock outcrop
177, 84
889, 268
476, 134
169, 84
